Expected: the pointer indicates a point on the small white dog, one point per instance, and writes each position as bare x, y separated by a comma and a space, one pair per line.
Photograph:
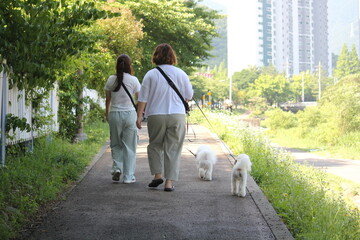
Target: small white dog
239, 175
205, 161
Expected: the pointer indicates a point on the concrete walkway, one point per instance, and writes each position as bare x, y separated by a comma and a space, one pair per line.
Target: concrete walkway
347, 169
98, 208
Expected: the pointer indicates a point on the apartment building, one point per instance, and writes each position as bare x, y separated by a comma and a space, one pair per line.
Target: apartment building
292, 35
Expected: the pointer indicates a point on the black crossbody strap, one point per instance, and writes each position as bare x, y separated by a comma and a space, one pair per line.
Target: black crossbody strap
127, 91
172, 84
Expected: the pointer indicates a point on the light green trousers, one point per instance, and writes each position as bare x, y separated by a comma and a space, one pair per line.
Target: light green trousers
123, 141
166, 138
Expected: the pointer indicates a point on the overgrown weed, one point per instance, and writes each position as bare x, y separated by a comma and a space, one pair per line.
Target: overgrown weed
312, 204
36, 178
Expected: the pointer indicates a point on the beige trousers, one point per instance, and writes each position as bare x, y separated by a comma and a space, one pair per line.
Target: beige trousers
166, 138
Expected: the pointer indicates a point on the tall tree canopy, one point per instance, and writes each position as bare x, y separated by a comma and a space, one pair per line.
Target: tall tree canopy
275, 89
37, 36
347, 63
183, 24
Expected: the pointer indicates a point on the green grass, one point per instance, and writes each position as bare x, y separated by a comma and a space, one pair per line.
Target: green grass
313, 204
31, 180
348, 147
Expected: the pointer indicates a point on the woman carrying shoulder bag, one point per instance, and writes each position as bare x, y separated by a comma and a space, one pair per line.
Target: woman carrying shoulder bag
166, 115
121, 116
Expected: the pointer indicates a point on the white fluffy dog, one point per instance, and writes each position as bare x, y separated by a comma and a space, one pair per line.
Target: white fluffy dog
205, 161
239, 175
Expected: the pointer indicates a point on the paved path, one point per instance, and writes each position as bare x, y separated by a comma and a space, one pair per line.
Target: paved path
97, 208
347, 169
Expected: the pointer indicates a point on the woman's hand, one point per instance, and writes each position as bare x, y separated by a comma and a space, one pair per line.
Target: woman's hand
140, 111
138, 122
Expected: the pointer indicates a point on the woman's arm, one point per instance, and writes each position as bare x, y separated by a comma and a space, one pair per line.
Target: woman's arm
140, 111
107, 104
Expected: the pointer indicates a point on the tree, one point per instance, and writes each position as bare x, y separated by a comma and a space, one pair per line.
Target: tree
116, 35
274, 89
347, 63
310, 86
241, 80
217, 84
120, 34
344, 99
183, 24
37, 36
354, 64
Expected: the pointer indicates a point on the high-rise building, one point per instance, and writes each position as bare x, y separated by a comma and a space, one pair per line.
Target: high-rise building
291, 35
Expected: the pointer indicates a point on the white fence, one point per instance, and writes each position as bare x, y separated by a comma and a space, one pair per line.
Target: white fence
17, 106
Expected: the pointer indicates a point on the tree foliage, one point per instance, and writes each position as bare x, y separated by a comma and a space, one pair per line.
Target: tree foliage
188, 28
310, 87
217, 84
242, 80
344, 99
347, 63
37, 36
120, 34
275, 89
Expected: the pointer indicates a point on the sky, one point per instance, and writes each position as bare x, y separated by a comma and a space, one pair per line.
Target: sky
342, 19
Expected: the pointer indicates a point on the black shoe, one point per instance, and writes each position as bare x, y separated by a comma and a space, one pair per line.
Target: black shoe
156, 182
116, 176
169, 189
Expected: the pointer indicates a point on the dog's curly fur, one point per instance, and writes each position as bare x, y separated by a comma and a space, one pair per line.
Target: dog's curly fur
205, 160
239, 175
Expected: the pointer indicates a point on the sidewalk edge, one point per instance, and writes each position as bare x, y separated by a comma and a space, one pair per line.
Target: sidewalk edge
90, 166
271, 217
273, 220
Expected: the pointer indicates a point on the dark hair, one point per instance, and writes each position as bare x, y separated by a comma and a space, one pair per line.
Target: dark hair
123, 65
164, 54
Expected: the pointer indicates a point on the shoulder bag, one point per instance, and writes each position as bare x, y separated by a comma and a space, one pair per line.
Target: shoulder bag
172, 84
132, 100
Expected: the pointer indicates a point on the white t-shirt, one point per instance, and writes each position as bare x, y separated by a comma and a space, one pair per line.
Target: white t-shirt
161, 99
120, 100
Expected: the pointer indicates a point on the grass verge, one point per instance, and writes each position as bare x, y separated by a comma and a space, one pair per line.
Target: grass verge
32, 180
346, 149
313, 204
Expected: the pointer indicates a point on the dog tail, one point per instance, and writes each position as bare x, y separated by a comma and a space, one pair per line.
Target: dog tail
208, 156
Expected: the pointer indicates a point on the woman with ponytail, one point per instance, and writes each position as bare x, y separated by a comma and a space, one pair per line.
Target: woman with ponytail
121, 116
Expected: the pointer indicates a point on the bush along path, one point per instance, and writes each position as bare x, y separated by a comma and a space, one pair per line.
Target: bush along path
31, 181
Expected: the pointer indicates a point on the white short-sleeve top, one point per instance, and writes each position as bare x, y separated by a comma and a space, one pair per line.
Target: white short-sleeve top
161, 99
120, 101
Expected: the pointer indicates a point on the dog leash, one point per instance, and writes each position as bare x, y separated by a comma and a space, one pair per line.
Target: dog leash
191, 152
213, 129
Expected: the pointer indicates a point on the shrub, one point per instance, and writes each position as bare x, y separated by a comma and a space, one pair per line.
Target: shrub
342, 102
95, 113
33, 179
310, 117
279, 119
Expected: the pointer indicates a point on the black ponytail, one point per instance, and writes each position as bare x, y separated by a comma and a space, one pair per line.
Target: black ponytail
123, 65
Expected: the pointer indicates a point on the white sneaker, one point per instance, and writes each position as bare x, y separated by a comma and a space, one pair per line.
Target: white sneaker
130, 180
